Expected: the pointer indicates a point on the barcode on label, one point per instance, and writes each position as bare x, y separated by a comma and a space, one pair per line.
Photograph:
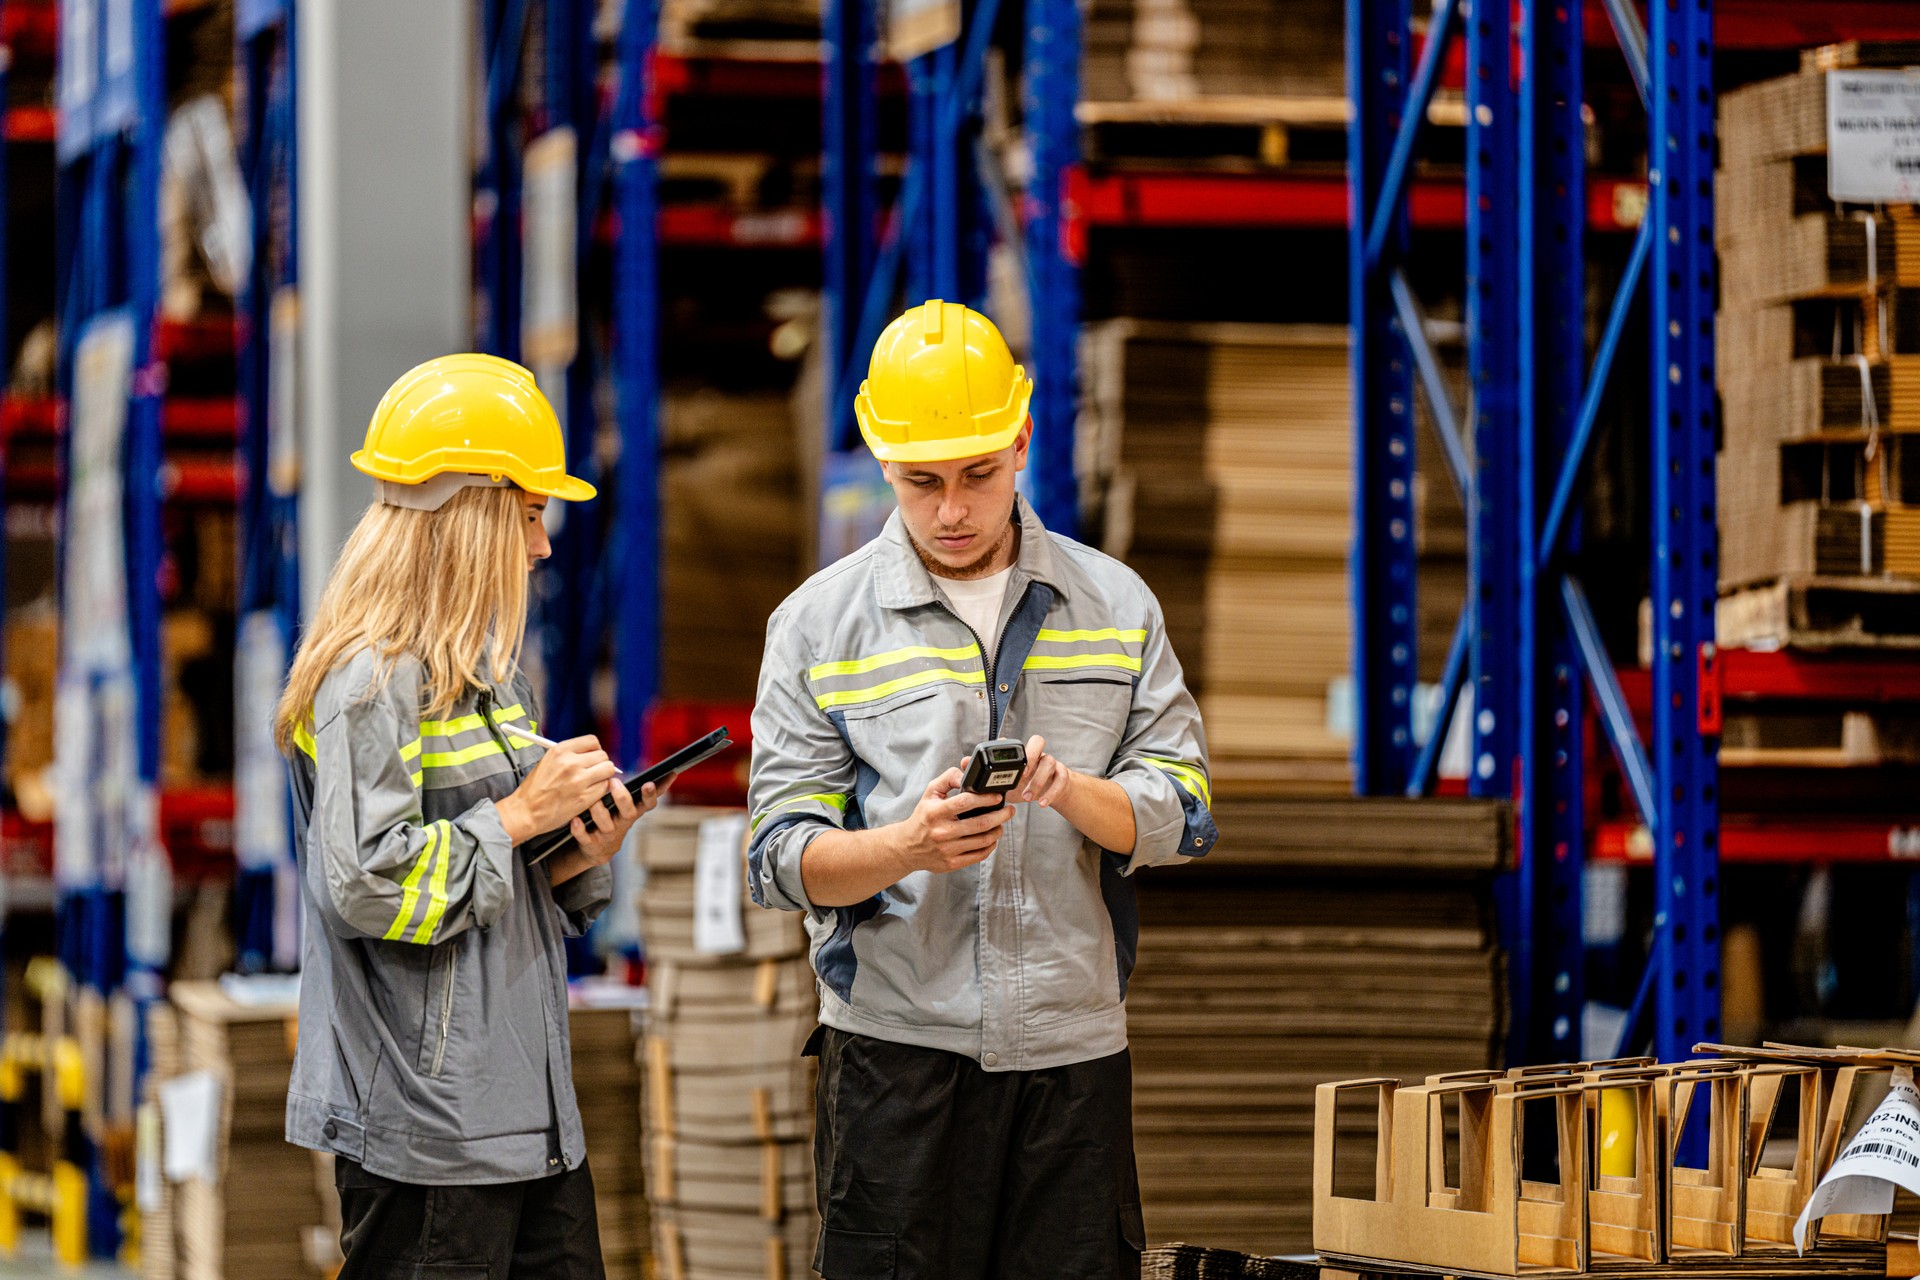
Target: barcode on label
1900, 1153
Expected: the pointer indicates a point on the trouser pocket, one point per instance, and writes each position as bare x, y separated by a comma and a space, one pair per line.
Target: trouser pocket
856, 1255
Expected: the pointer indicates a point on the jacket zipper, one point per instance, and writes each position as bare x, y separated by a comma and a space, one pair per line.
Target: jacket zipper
446, 1010
993, 664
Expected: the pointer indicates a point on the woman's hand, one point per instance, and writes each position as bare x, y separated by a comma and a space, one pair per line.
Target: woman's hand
598, 846
568, 779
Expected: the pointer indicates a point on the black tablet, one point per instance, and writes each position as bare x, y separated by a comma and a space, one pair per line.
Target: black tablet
544, 846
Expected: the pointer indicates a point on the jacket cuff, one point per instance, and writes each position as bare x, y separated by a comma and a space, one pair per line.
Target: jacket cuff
583, 898
1169, 822
493, 862
773, 860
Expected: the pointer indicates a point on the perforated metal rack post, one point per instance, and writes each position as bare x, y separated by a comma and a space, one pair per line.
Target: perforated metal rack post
269, 510
951, 201
1529, 638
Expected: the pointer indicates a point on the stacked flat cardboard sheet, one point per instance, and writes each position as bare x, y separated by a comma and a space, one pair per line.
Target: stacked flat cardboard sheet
1818, 349
1223, 454
1330, 934
606, 1082
253, 1217
729, 1105
734, 536
1169, 50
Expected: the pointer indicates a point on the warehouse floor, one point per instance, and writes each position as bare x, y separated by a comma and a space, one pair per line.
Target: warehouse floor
36, 1263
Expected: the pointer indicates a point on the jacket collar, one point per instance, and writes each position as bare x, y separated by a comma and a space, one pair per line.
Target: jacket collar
901, 580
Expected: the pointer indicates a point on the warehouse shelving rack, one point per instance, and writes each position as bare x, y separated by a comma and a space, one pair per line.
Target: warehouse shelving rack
1528, 637
931, 243
605, 576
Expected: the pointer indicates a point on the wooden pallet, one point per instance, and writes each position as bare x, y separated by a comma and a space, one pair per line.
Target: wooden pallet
1821, 613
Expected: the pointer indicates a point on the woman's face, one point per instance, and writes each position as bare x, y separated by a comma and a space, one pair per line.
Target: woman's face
533, 507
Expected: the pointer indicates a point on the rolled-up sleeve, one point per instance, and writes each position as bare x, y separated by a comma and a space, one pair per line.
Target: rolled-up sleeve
1162, 762
389, 873
801, 782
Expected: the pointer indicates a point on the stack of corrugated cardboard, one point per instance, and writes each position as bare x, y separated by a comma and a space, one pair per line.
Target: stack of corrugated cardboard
1819, 362
1320, 935
252, 1218
606, 1081
734, 536
1172, 50
729, 1112
1223, 455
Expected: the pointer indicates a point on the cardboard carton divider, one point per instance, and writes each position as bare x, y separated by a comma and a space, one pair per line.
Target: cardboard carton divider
1624, 1220
1706, 1206
1776, 1196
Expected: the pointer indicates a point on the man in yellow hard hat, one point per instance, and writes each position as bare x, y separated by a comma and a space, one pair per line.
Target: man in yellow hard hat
975, 1089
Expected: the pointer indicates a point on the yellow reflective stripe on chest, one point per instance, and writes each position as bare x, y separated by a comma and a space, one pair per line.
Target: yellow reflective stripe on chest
860, 666
303, 739
1046, 636
1074, 661
465, 755
466, 724
886, 689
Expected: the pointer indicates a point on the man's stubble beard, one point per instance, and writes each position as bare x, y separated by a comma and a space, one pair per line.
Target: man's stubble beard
973, 569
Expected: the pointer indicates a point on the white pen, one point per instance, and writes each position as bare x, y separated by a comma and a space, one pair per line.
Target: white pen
515, 731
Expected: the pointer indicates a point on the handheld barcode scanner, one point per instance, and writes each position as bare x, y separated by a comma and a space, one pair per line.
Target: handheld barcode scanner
993, 770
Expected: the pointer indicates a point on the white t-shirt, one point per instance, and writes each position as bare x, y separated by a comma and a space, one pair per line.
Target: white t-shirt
978, 602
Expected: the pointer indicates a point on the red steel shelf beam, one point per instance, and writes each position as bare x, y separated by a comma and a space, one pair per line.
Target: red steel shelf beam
1780, 839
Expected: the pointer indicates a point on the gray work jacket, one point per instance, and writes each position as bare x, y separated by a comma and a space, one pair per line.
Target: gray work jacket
433, 1004
871, 687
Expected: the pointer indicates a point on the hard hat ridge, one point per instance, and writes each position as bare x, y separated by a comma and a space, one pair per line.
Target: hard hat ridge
941, 385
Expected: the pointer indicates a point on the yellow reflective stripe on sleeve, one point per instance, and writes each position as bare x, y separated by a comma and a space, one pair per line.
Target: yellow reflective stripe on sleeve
1103, 633
448, 759
873, 693
411, 751
410, 887
831, 801
417, 778
860, 666
1187, 776
303, 739
1074, 661
437, 890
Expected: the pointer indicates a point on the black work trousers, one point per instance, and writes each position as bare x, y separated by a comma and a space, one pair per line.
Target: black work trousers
545, 1229
930, 1168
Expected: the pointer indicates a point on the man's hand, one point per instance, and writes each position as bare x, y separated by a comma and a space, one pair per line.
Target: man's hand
1045, 780
936, 838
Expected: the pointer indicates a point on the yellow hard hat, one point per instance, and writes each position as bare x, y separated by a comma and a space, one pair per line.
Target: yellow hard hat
942, 385
466, 420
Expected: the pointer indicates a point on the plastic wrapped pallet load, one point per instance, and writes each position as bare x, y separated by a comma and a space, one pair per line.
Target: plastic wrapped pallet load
729, 1107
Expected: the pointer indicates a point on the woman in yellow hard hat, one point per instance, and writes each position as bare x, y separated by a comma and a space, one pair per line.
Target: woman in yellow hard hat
433, 1059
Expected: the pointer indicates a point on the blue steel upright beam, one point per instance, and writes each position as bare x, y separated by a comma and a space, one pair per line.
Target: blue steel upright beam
636, 380
269, 508
1385, 621
850, 157
1685, 549
1552, 297
1494, 188
1052, 87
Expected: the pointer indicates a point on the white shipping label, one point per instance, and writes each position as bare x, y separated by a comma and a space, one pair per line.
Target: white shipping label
717, 927
1885, 1154
190, 1126
1873, 136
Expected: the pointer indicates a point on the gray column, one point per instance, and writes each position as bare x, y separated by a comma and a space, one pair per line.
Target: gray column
385, 233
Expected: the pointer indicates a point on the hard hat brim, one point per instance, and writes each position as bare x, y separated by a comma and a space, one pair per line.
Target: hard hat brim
563, 487
950, 449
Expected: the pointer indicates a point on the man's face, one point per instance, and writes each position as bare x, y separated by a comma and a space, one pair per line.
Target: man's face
960, 513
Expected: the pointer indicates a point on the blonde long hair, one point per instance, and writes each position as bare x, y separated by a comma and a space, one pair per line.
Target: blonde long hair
448, 587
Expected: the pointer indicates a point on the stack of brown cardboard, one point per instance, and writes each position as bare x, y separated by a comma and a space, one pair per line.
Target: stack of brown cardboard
691, 26
729, 1114
253, 1215
1171, 50
734, 537
1224, 451
1818, 352
606, 1081
1343, 935
159, 1235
